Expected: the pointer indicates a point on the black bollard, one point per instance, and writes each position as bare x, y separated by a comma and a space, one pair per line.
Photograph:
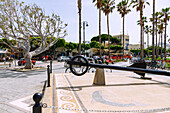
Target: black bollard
48, 73
51, 66
9, 64
37, 108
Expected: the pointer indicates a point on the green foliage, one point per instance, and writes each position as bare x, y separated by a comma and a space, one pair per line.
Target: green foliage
87, 46
104, 37
61, 42
122, 8
4, 46
135, 51
115, 40
94, 44
116, 47
108, 6
35, 41
71, 46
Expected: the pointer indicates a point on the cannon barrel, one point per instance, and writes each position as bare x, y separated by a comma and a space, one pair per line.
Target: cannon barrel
131, 69
85, 63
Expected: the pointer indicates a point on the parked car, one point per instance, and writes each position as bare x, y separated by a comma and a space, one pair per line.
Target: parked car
22, 62
63, 58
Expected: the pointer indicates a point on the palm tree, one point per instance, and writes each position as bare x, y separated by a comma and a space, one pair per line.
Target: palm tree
79, 8
122, 8
107, 7
153, 33
147, 30
144, 20
166, 14
157, 17
99, 4
140, 4
160, 28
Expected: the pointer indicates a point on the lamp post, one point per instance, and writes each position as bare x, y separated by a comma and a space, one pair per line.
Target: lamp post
85, 24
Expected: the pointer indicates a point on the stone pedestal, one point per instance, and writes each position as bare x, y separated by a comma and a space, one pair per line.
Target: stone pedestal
99, 78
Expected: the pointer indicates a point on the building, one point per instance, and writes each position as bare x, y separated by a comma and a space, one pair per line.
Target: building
134, 46
126, 40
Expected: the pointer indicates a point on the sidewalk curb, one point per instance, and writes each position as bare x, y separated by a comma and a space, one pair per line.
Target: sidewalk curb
49, 95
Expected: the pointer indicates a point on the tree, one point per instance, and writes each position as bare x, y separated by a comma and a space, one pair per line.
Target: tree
79, 8
99, 4
157, 18
60, 43
122, 8
140, 4
4, 46
87, 46
94, 44
147, 30
153, 33
20, 22
107, 7
115, 40
70, 46
104, 37
166, 13
160, 31
116, 47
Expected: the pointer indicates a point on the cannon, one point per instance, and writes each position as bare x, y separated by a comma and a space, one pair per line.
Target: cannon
80, 61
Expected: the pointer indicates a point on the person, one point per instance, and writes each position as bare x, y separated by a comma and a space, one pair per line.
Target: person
46, 57
4, 59
43, 58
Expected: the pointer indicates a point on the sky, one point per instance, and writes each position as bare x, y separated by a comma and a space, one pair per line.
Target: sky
68, 11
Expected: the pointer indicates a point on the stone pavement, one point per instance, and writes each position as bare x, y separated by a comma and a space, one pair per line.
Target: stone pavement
124, 92
17, 88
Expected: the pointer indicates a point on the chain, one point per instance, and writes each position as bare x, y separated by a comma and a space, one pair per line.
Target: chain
141, 111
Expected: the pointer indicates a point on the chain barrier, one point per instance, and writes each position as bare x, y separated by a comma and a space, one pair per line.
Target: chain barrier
136, 111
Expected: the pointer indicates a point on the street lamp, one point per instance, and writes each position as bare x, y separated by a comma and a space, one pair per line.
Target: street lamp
85, 24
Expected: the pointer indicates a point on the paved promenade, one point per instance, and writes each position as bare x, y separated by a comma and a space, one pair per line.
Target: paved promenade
123, 92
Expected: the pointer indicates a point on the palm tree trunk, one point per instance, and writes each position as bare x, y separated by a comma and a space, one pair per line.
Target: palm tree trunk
165, 41
148, 42
123, 37
141, 34
100, 31
79, 6
153, 33
156, 40
161, 45
108, 33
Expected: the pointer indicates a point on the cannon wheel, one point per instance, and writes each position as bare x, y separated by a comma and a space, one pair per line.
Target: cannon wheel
81, 60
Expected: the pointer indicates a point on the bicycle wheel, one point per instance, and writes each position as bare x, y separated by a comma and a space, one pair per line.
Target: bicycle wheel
67, 70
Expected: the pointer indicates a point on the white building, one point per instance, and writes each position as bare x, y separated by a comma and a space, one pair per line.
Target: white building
126, 41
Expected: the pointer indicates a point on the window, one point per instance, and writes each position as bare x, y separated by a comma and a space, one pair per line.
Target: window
126, 39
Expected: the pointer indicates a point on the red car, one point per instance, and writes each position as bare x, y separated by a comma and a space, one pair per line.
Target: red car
22, 62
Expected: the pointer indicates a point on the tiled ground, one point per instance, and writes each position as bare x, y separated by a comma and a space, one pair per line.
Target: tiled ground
124, 91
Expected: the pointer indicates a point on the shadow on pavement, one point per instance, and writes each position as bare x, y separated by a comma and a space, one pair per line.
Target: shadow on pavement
15, 74
78, 88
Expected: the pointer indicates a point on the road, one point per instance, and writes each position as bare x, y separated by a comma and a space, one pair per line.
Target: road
20, 85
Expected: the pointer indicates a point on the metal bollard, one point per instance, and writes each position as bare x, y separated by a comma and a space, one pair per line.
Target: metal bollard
9, 64
51, 66
37, 108
48, 73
